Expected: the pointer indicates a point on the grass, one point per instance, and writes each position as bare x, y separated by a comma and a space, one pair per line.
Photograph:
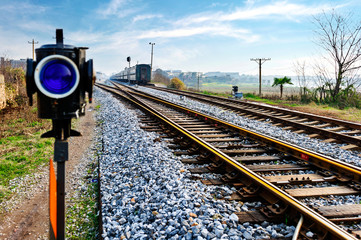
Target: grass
82, 218
272, 97
21, 155
348, 114
82, 221
22, 150
216, 94
216, 87
254, 97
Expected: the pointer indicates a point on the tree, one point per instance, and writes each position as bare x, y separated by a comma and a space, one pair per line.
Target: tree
340, 37
160, 78
300, 70
177, 84
281, 82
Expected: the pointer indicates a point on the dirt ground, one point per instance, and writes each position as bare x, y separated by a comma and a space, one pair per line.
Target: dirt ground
30, 219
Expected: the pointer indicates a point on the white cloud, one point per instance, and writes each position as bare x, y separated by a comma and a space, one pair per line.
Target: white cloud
117, 8
218, 4
181, 54
30, 25
124, 8
85, 37
176, 37
14, 44
23, 7
250, 2
112, 7
146, 17
222, 23
214, 30
282, 9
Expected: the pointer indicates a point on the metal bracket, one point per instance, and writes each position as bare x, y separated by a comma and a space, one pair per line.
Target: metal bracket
61, 150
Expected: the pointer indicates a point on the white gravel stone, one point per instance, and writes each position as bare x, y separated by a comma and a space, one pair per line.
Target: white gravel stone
309, 234
148, 193
314, 144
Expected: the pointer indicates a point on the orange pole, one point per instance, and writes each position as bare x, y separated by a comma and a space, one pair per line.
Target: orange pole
52, 201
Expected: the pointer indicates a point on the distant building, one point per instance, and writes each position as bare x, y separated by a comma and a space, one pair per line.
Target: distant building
214, 74
266, 82
101, 77
18, 63
13, 63
173, 73
223, 74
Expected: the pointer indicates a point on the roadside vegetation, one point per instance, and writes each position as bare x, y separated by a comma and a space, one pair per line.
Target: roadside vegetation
160, 79
22, 150
293, 102
176, 83
280, 82
21, 155
347, 113
326, 85
82, 221
337, 70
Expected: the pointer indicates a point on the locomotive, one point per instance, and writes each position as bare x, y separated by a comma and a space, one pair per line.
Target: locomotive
139, 74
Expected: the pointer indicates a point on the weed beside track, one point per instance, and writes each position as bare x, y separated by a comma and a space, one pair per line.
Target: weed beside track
22, 151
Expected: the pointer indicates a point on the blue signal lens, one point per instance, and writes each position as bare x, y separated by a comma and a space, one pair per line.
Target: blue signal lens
58, 76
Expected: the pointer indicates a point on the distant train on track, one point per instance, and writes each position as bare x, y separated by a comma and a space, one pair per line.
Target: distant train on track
139, 74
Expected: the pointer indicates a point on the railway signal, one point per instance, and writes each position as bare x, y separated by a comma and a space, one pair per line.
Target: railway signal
60, 77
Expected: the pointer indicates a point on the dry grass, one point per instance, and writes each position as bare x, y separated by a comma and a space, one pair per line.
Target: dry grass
350, 114
21, 120
22, 149
272, 97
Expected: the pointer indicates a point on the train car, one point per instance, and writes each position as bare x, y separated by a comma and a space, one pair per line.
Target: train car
143, 74
139, 74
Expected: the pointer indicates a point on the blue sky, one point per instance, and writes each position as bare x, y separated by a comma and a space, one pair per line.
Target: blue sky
189, 35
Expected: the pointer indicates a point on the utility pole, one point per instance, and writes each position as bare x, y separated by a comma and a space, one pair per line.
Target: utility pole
260, 61
33, 43
151, 60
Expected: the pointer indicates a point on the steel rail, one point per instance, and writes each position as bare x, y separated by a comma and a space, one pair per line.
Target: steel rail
344, 169
260, 106
314, 129
336, 232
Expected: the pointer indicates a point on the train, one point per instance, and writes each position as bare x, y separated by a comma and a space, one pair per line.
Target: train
139, 74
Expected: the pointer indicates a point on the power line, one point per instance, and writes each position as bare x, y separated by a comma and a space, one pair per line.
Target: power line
33, 43
260, 61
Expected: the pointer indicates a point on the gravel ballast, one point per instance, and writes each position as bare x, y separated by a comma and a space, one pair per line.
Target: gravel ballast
314, 144
147, 193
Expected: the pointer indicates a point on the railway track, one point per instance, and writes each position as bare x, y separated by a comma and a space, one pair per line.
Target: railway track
283, 177
315, 126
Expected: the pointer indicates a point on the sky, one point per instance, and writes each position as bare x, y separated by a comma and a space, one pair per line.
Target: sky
189, 35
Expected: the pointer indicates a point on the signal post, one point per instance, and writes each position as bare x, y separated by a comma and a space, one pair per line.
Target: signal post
60, 77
